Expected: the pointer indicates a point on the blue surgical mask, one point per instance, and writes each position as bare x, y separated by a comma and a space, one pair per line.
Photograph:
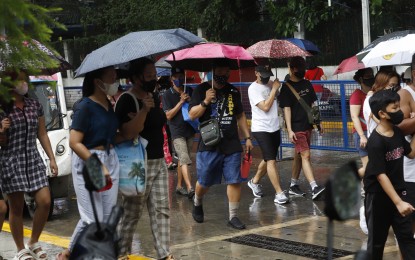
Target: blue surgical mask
178, 82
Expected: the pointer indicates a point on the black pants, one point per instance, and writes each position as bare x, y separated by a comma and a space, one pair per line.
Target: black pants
381, 214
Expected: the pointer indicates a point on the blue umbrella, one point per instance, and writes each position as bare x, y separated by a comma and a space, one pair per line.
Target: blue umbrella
137, 45
163, 72
305, 45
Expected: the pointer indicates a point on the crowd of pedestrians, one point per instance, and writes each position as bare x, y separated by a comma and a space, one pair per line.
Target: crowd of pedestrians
382, 114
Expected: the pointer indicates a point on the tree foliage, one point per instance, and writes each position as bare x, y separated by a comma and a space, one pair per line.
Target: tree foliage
20, 22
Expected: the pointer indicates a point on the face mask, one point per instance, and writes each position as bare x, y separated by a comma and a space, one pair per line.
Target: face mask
221, 80
21, 88
149, 86
178, 82
110, 89
299, 74
368, 82
264, 80
396, 117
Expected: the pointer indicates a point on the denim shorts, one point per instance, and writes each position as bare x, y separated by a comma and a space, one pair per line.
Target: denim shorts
356, 138
212, 165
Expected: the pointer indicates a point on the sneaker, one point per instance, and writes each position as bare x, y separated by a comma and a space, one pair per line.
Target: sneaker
256, 189
295, 191
281, 198
190, 193
236, 223
362, 220
181, 191
197, 213
317, 192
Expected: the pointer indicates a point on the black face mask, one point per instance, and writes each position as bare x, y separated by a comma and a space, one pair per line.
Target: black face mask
221, 80
264, 80
300, 74
149, 86
396, 117
368, 82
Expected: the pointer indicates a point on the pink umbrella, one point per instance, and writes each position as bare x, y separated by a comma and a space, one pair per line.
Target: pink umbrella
202, 56
276, 49
349, 64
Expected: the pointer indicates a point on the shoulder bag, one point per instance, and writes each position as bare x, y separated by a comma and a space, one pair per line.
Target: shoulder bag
313, 113
210, 131
132, 156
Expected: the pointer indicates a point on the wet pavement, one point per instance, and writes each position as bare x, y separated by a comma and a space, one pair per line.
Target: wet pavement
297, 230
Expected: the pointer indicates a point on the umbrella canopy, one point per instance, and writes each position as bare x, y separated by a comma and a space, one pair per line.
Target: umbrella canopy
349, 64
305, 45
137, 45
276, 49
163, 72
393, 52
201, 57
162, 63
386, 37
46, 68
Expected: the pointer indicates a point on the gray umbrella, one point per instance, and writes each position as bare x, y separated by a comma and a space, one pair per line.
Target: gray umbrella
136, 45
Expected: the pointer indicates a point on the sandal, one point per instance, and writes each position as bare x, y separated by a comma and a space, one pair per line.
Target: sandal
64, 255
37, 251
23, 254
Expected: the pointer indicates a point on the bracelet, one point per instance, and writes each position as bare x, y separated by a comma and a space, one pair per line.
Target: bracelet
248, 138
203, 104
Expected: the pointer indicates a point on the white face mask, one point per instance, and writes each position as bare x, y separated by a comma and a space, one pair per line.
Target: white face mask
110, 89
21, 88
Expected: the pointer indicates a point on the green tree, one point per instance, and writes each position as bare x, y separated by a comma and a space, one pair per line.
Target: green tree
20, 22
137, 171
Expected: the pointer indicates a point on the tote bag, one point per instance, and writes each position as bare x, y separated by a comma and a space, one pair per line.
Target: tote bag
132, 156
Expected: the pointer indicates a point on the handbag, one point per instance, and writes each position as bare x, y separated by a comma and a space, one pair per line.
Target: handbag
3, 139
313, 113
132, 156
210, 131
185, 112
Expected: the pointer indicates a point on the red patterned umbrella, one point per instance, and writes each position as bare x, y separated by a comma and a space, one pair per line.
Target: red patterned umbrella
349, 64
276, 49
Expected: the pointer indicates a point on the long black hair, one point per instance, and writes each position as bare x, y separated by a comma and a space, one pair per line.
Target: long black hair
88, 84
137, 67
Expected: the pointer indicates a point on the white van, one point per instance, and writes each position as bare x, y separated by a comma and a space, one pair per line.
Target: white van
50, 93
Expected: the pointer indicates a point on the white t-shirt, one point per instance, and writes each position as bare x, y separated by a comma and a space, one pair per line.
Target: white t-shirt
262, 121
409, 164
370, 122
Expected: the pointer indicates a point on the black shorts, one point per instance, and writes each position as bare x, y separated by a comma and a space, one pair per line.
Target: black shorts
410, 196
269, 144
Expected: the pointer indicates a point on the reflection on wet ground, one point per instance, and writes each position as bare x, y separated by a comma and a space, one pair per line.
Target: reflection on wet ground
268, 224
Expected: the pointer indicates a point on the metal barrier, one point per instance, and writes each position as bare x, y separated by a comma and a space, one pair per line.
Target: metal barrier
334, 108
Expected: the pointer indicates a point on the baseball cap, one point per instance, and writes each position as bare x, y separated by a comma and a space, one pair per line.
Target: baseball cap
265, 72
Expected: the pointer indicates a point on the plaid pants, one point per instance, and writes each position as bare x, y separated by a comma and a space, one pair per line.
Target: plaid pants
156, 196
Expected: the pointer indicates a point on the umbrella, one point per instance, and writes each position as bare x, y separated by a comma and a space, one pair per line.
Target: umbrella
276, 49
305, 45
201, 57
137, 45
393, 52
163, 72
386, 37
40, 62
349, 64
162, 63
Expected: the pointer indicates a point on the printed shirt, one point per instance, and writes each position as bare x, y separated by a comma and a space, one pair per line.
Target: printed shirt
229, 104
358, 98
386, 156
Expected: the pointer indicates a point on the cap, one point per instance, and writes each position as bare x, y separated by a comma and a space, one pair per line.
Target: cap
264, 71
408, 73
176, 70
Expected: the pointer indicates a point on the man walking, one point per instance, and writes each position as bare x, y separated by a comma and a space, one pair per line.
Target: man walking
220, 100
266, 130
298, 127
182, 133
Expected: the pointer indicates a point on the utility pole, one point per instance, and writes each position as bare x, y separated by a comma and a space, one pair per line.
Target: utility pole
366, 22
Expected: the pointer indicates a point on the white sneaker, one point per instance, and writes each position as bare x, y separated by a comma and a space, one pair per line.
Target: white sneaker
281, 198
256, 189
363, 225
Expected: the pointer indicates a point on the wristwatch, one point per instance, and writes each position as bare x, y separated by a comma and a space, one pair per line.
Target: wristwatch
246, 138
203, 104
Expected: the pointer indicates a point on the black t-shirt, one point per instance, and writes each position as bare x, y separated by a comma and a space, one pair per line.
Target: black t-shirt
153, 126
299, 119
178, 127
229, 99
386, 156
